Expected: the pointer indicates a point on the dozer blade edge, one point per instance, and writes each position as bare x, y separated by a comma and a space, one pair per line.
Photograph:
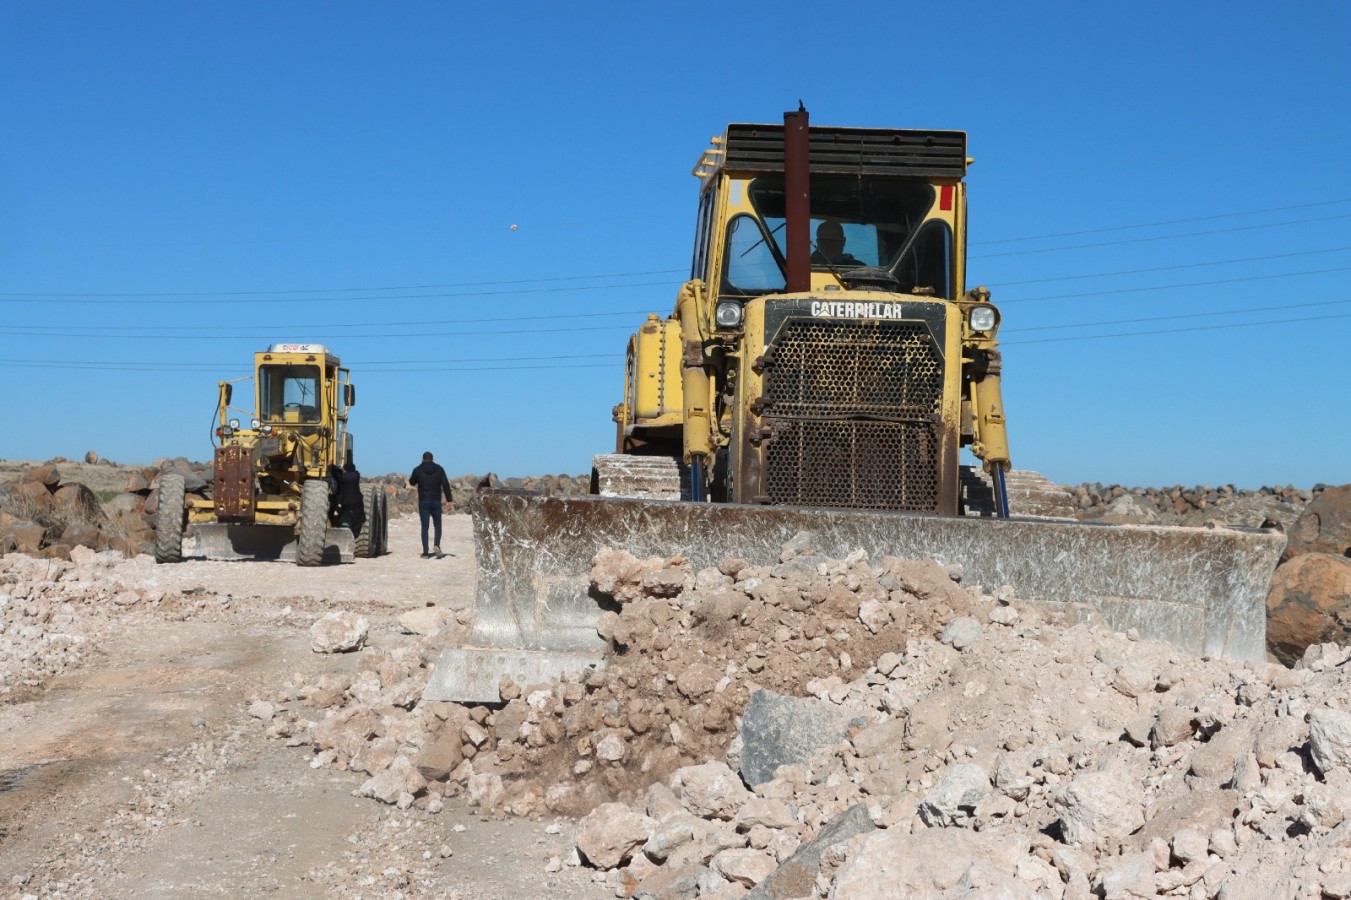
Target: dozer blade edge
1201, 589
210, 540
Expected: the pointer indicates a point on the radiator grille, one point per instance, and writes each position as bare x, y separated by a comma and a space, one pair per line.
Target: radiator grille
852, 407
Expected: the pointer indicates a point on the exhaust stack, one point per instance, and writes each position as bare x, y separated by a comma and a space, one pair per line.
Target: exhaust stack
797, 199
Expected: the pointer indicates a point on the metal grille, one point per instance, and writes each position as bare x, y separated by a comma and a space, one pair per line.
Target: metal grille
854, 151
852, 406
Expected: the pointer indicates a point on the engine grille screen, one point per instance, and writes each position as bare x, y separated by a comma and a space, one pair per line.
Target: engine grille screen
852, 406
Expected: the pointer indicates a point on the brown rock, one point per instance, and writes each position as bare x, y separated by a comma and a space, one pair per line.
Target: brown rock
1309, 603
78, 501
35, 495
47, 476
440, 757
1325, 525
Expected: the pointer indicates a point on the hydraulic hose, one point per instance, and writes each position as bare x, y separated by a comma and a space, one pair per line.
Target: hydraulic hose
1001, 492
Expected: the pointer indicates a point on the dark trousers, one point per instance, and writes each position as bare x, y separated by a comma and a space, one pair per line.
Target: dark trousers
430, 510
352, 517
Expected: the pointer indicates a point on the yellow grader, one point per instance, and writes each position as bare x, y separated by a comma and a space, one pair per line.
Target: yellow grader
824, 366
271, 495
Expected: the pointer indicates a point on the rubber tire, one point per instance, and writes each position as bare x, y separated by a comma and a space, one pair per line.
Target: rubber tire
313, 535
383, 518
368, 541
169, 519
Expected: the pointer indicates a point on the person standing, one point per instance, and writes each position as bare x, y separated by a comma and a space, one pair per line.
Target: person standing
430, 481
351, 508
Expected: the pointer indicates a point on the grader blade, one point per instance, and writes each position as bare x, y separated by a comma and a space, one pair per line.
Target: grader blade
1202, 589
210, 540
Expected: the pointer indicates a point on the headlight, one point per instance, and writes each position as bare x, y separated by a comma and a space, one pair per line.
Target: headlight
728, 314
234, 424
984, 318
255, 424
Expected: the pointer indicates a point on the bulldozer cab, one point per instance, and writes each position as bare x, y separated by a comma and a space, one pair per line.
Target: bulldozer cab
890, 225
886, 209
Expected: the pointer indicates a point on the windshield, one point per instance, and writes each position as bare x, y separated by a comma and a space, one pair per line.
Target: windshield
289, 393
874, 222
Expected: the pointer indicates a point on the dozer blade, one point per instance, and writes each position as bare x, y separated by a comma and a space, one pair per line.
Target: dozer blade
1202, 589
210, 540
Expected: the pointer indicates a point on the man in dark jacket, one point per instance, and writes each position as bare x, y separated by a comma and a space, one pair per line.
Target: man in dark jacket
430, 481
347, 494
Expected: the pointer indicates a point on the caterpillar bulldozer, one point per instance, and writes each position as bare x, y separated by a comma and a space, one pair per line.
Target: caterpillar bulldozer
823, 368
271, 495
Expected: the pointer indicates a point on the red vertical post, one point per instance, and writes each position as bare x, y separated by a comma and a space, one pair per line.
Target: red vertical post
797, 199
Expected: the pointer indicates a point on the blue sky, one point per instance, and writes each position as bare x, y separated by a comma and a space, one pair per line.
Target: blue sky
1160, 203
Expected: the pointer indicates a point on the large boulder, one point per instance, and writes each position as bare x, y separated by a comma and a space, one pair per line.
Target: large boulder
1309, 603
1325, 525
777, 730
76, 501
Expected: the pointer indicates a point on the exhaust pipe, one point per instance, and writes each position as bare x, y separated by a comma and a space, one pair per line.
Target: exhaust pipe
797, 199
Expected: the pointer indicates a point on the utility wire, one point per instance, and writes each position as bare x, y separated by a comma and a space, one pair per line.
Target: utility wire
1161, 237
276, 295
1093, 337
1195, 265
1110, 228
61, 330
1169, 287
162, 368
1200, 315
358, 290
440, 296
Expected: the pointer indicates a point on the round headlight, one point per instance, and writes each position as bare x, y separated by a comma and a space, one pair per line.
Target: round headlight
255, 424
234, 424
728, 314
984, 318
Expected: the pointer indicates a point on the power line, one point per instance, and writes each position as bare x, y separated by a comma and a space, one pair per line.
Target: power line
1200, 315
1161, 237
103, 330
1195, 265
1169, 287
301, 326
276, 296
1092, 337
345, 290
217, 336
1160, 224
185, 366
273, 300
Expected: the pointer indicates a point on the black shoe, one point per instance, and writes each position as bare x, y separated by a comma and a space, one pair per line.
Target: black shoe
426, 556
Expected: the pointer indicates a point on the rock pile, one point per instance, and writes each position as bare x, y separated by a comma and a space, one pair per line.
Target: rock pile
1310, 598
1180, 505
43, 515
858, 728
50, 611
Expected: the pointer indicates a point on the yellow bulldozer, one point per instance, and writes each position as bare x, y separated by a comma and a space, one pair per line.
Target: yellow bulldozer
823, 368
271, 490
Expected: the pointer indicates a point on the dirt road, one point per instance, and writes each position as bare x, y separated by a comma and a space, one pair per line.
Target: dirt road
143, 774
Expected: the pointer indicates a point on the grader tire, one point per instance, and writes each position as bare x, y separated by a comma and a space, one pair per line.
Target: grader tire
368, 540
384, 522
169, 520
313, 523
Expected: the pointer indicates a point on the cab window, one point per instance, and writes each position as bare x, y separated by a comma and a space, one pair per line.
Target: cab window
289, 394
751, 266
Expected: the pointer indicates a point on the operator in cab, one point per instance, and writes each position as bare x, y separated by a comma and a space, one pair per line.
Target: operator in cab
830, 247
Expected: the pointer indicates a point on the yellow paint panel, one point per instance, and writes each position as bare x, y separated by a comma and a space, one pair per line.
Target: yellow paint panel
656, 370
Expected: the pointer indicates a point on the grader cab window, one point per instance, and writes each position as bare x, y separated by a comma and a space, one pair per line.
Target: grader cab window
290, 394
